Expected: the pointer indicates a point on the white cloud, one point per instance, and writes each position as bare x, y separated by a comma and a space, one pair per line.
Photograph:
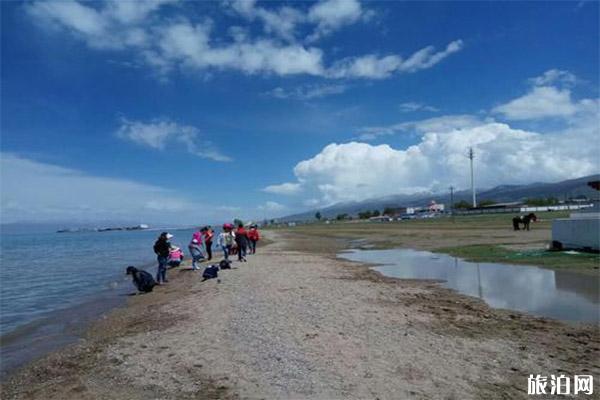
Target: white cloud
284, 189
540, 102
330, 15
355, 171
440, 124
189, 46
159, 134
504, 155
168, 43
71, 15
549, 97
554, 76
374, 67
35, 191
327, 15
412, 106
307, 92
272, 207
282, 22
116, 25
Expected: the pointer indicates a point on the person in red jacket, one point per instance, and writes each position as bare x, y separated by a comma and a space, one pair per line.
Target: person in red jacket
253, 237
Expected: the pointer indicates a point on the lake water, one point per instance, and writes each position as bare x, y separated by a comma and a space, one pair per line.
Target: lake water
556, 294
52, 283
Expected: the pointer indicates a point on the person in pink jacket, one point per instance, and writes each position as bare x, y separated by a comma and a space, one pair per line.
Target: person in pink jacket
175, 256
198, 236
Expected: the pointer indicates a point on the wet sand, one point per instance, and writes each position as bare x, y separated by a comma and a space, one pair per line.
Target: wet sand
296, 322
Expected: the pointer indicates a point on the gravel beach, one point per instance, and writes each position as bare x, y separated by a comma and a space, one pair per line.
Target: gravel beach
297, 323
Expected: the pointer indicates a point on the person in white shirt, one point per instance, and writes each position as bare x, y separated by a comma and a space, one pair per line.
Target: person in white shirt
226, 239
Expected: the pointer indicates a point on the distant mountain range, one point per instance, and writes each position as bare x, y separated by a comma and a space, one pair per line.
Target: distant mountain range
504, 193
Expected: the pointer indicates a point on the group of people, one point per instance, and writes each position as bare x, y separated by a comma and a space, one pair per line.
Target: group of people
231, 241
238, 241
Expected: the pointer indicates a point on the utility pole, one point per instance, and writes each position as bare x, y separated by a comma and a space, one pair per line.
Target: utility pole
471, 156
452, 203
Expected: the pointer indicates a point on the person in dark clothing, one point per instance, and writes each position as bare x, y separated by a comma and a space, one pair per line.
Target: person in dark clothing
161, 249
143, 281
241, 239
208, 234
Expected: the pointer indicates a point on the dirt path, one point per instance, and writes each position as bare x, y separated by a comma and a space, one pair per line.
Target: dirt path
298, 325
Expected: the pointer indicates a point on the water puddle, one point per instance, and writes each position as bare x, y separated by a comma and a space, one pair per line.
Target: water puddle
562, 295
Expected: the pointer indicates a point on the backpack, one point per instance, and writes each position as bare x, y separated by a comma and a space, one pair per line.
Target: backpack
225, 264
210, 272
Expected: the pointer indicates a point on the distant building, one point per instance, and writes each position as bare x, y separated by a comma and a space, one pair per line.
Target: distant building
435, 207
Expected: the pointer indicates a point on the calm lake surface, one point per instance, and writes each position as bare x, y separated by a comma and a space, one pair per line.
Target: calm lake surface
562, 295
53, 283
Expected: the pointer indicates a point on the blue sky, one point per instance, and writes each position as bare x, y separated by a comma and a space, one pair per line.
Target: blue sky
169, 111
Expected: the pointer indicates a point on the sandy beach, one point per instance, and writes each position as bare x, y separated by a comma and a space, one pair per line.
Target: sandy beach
298, 324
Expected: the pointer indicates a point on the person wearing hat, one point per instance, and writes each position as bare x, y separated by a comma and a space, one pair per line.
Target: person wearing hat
175, 256
196, 252
162, 249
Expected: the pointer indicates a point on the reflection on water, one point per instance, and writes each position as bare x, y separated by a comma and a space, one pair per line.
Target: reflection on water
557, 294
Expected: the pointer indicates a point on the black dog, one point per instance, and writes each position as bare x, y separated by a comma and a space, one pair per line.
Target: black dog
143, 281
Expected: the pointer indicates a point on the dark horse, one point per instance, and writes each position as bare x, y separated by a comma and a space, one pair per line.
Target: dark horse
523, 219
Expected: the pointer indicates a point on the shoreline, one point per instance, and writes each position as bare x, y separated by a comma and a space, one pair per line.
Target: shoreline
56, 329
418, 314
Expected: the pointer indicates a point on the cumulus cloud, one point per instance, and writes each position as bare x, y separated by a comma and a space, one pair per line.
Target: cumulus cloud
355, 171
307, 92
169, 43
504, 155
35, 191
284, 188
540, 102
549, 97
160, 134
